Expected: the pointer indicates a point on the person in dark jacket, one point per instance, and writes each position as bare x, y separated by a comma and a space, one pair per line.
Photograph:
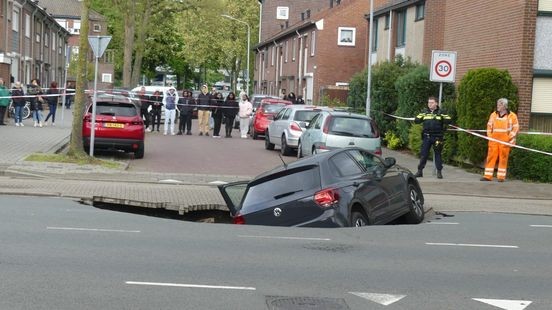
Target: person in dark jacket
291, 97
434, 126
230, 111
144, 105
36, 100
18, 102
204, 110
217, 113
156, 103
185, 107
52, 99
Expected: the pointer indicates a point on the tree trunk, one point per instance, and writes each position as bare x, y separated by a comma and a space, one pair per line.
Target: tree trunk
128, 41
75, 144
141, 30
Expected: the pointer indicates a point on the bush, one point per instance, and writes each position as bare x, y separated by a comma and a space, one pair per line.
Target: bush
477, 95
393, 142
527, 165
414, 88
415, 139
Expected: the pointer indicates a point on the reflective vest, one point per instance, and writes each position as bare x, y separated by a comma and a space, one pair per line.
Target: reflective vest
503, 128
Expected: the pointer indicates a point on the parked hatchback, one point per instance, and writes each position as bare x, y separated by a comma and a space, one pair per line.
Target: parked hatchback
264, 115
329, 130
118, 125
343, 187
288, 126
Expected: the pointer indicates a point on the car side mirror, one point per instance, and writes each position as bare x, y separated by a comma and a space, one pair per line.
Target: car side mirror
389, 162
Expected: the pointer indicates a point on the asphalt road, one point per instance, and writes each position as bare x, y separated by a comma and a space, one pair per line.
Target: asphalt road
58, 254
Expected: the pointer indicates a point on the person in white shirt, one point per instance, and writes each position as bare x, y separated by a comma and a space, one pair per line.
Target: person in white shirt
170, 99
245, 112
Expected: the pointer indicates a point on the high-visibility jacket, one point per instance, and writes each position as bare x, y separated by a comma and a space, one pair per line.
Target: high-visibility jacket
503, 128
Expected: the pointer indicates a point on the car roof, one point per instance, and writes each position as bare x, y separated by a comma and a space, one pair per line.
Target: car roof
113, 98
308, 107
274, 100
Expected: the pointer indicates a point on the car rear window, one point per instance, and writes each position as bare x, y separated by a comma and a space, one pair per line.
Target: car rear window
304, 116
115, 109
286, 183
272, 108
351, 126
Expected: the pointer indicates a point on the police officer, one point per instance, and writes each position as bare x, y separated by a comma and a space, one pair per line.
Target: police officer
434, 123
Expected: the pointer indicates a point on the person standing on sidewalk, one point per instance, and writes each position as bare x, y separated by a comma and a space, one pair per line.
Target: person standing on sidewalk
156, 104
186, 109
170, 99
434, 126
230, 111
245, 112
35, 91
502, 126
144, 105
4, 101
52, 100
218, 102
204, 110
18, 103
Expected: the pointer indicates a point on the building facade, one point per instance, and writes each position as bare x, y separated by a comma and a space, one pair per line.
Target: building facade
32, 44
68, 14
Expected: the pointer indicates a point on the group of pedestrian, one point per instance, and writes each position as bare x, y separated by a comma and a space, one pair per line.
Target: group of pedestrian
502, 129
209, 106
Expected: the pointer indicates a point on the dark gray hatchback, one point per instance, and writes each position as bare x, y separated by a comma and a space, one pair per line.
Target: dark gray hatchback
340, 188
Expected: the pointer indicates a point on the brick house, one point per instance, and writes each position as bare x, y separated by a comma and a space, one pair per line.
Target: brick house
311, 48
68, 14
32, 44
512, 35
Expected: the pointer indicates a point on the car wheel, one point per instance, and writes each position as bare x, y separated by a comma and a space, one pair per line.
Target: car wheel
358, 219
139, 153
299, 152
284, 148
269, 146
415, 204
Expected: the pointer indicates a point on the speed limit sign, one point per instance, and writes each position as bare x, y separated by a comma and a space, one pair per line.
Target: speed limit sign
443, 66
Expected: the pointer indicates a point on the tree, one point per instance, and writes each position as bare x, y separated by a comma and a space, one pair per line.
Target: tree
75, 143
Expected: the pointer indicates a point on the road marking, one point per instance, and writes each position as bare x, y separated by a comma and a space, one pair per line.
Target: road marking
192, 285
93, 229
218, 182
170, 181
442, 223
382, 299
505, 303
542, 226
285, 238
475, 245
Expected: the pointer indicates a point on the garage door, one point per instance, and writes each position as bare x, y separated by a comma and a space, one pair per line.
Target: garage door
542, 95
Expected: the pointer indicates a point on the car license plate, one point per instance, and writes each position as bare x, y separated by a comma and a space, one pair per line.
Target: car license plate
114, 125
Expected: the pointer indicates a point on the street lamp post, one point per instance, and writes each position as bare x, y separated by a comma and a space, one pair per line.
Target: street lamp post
248, 47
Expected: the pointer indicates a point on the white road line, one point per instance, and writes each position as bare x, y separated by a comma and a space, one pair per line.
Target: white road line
442, 223
192, 285
505, 304
542, 226
285, 238
475, 245
93, 229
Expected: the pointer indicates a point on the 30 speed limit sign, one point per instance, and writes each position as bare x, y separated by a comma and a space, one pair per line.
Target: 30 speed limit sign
443, 66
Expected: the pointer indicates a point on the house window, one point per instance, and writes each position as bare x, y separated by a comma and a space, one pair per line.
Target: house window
108, 57
15, 20
375, 35
346, 36
106, 78
387, 21
53, 42
293, 48
313, 43
420, 11
287, 50
282, 12
401, 28
46, 39
273, 56
27, 25
97, 28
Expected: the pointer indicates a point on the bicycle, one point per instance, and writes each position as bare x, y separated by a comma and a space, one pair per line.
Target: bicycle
26, 110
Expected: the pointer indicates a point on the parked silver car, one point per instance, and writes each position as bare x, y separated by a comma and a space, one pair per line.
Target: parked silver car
288, 125
330, 130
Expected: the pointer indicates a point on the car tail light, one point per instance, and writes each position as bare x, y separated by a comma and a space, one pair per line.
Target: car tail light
295, 127
137, 121
326, 197
378, 151
238, 219
326, 128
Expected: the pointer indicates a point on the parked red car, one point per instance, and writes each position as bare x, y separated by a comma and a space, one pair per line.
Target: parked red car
119, 125
265, 114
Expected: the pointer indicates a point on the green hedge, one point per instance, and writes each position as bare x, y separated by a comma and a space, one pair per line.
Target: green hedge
527, 165
477, 95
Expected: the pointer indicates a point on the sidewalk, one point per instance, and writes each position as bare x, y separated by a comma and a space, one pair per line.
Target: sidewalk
187, 192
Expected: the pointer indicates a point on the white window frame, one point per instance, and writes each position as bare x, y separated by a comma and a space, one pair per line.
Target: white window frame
287, 51
273, 54
46, 39
53, 41
340, 36
27, 25
107, 78
16, 13
97, 28
282, 12
313, 43
293, 49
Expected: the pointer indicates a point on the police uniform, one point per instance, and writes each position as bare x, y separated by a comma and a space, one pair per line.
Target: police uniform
432, 135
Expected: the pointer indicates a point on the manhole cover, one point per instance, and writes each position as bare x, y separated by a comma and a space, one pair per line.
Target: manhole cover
301, 303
